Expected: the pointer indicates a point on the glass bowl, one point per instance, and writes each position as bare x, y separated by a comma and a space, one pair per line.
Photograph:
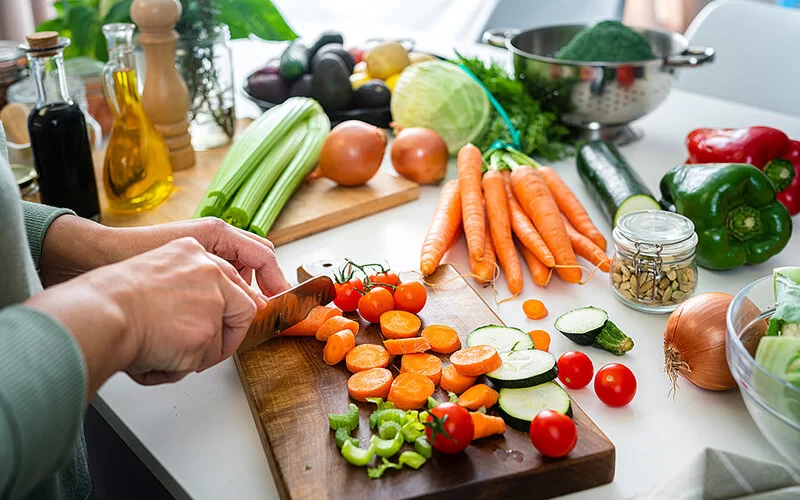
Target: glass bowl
774, 404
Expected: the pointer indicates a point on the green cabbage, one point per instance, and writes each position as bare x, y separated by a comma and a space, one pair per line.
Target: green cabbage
441, 96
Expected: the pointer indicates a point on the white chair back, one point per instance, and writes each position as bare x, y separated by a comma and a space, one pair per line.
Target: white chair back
757, 60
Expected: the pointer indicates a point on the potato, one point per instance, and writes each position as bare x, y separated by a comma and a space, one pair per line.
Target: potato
386, 59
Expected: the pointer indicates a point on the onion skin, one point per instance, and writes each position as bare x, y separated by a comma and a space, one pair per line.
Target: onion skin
420, 154
352, 153
694, 341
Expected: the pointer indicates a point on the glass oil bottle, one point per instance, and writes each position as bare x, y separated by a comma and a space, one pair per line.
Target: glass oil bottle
137, 174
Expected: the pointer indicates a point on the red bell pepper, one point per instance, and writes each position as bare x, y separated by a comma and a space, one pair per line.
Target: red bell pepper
766, 148
790, 197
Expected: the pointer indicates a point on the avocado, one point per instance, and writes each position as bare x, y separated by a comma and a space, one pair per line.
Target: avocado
325, 38
268, 87
330, 83
294, 61
373, 94
301, 87
338, 49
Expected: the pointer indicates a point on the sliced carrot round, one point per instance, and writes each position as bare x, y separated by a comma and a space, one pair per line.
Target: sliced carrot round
337, 346
534, 309
424, 364
541, 339
410, 390
442, 338
336, 324
452, 381
399, 325
476, 360
372, 383
406, 346
309, 326
477, 396
366, 356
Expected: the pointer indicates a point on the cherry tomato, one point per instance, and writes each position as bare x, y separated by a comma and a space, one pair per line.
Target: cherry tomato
449, 428
575, 369
374, 303
615, 384
348, 295
553, 433
388, 278
410, 296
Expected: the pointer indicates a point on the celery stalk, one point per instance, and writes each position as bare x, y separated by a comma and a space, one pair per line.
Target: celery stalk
249, 197
251, 147
293, 176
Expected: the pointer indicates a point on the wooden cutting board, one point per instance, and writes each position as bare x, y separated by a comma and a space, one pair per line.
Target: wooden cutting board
315, 207
291, 391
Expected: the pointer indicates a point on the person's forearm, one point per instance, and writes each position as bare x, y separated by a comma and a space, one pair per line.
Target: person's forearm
72, 246
96, 323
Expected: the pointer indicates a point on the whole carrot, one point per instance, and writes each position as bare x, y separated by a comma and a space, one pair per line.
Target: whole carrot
571, 207
586, 248
540, 273
523, 227
484, 269
500, 229
470, 164
538, 203
443, 229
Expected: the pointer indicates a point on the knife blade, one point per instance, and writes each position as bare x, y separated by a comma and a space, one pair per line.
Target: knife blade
287, 309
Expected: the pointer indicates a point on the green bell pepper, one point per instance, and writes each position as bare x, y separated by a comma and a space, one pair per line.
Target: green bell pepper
737, 219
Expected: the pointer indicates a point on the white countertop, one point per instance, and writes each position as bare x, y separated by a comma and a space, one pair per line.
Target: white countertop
199, 437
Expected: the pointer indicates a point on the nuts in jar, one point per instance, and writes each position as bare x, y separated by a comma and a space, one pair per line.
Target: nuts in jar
653, 269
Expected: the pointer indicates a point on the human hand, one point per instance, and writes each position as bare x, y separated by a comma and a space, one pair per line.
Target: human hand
73, 245
158, 316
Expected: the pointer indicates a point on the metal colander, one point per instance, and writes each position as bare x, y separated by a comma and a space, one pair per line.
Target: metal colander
604, 96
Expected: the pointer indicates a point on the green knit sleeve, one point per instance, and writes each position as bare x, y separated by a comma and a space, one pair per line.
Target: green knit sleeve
43, 386
37, 219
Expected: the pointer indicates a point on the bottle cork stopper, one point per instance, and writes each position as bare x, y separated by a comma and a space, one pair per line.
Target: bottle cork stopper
43, 40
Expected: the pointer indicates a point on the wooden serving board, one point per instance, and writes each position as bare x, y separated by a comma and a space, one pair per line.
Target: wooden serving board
291, 391
315, 207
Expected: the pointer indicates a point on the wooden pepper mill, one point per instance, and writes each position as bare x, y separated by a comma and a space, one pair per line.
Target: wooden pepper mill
165, 96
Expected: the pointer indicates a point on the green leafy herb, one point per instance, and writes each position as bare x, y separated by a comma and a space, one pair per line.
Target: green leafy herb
542, 134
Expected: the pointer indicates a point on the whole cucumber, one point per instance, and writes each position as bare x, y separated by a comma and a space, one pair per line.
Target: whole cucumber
294, 61
615, 186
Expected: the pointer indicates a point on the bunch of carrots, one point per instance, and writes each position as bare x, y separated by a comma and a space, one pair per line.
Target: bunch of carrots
420, 371
513, 204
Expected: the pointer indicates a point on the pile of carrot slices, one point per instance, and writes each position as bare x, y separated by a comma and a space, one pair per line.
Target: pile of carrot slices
528, 208
420, 371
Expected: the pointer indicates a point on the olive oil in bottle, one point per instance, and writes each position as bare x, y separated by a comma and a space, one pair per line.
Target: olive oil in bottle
137, 174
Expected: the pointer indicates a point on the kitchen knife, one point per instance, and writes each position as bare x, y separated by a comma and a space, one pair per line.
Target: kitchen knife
288, 308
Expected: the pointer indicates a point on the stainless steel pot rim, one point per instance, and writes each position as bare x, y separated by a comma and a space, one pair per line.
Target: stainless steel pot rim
512, 34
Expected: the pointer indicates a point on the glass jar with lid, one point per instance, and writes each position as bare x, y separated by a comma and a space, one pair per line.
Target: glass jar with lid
13, 67
654, 269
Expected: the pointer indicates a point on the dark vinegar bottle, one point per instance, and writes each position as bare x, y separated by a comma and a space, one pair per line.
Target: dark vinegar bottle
59, 137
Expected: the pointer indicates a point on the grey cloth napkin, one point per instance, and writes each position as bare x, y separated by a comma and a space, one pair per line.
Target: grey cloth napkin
720, 475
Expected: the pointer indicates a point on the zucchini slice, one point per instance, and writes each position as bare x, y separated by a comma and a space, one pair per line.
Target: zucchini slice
502, 338
518, 407
614, 185
582, 325
524, 369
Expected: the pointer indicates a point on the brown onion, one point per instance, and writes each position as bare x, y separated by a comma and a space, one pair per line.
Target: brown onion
694, 341
352, 153
420, 154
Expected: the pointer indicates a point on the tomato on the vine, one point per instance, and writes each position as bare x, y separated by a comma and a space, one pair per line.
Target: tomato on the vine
615, 384
348, 294
374, 303
553, 434
449, 428
575, 369
387, 280
410, 297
